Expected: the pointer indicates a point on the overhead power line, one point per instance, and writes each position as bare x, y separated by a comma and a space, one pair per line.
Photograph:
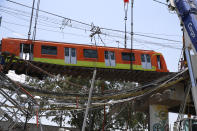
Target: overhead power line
43, 23
173, 45
161, 2
159, 44
166, 45
89, 25
156, 37
160, 34
48, 12
78, 35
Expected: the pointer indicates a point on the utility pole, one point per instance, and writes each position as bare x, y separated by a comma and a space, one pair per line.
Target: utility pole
132, 2
89, 100
126, 3
32, 12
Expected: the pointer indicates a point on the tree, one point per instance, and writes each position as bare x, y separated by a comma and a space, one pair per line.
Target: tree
115, 117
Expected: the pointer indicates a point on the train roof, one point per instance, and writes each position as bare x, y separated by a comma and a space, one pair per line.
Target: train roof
55, 42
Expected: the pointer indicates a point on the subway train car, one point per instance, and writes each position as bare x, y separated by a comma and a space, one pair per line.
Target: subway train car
81, 55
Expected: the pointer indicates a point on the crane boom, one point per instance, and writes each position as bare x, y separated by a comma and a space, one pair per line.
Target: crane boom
187, 13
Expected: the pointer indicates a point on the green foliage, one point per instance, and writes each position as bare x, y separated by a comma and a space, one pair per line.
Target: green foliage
118, 116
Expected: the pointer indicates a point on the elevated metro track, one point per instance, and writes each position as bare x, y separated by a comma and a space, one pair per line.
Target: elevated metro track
32, 68
142, 95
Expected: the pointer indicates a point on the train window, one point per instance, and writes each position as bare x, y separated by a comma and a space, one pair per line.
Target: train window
142, 58
148, 58
66, 51
73, 52
158, 58
106, 55
25, 48
49, 50
112, 56
159, 62
90, 53
128, 56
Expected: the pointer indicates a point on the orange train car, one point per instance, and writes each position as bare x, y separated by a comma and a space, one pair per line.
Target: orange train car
69, 54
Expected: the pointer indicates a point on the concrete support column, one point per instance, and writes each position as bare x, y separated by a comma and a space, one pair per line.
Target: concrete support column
158, 120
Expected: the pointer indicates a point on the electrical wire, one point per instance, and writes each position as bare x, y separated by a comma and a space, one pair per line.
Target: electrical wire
42, 23
157, 37
105, 34
102, 34
153, 43
74, 34
161, 2
79, 22
47, 12
167, 45
159, 34
158, 44
138, 94
77, 35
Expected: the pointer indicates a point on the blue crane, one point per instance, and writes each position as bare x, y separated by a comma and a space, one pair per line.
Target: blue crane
187, 13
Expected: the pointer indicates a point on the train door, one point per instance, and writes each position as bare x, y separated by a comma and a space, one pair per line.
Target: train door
158, 61
70, 56
110, 58
26, 51
146, 61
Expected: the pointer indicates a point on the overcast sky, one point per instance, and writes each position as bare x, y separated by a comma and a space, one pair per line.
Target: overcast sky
150, 18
